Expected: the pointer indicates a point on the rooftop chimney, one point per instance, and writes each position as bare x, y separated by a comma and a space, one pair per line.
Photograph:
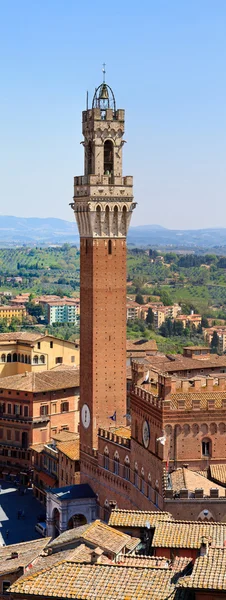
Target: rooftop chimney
96, 556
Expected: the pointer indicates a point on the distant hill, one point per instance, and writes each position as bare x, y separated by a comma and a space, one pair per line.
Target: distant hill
35, 231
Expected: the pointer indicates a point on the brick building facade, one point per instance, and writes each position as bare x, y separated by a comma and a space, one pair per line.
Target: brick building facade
34, 407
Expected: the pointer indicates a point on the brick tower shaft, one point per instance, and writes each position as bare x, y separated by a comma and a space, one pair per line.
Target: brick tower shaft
103, 204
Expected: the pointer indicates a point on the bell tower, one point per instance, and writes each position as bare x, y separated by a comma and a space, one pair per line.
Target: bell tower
103, 205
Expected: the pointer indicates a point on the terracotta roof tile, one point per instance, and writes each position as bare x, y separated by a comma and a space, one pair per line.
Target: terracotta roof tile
124, 432
70, 449
95, 582
27, 552
187, 534
65, 436
141, 345
98, 534
209, 572
137, 518
188, 479
41, 382
177, 362
218, 472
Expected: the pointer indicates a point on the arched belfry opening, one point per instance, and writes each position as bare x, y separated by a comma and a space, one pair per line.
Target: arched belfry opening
108, 157
89, 155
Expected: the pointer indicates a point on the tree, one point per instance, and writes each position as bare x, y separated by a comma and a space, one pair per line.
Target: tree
139, 299
153, 253
35, 310
166, 298
150, 317
204, 322
215, 343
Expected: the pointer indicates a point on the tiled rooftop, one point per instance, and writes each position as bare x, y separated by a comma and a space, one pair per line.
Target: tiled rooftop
70, 449
98, 534
218, 472
141, 345
190, 480
137, 518
187, 534
177, 362
209, 572
41, 382
124, 432
20, 336
81, 554
27, 552
140, 561
65, 436
98, 582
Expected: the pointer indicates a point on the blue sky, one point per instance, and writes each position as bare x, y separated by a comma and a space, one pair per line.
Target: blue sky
166, 64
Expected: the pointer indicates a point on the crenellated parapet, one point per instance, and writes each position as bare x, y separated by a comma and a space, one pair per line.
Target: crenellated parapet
110, 436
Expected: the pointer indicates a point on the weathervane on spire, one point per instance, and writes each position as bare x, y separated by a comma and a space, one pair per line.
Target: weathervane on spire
104, 72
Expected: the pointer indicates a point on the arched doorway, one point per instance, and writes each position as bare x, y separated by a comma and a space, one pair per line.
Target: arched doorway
76, 521
56, 522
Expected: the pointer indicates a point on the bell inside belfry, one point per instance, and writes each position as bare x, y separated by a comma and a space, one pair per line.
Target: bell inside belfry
104, 92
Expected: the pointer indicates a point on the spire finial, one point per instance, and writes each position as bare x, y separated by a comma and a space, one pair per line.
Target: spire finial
104, 72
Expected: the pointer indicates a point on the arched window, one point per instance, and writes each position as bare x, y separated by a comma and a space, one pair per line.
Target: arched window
42, 359
127, 468
22, 358
136, 478
108, 157
18, 357
115, 221
14, 357
8, 357
29, 360
149, 486
25, 358
3, 358
35, 359
107, 221
206, 447
106, 458
142, 482
98, 220
116, 463
124, 220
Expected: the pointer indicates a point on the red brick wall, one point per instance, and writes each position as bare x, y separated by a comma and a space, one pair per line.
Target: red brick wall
103, 333
185, 432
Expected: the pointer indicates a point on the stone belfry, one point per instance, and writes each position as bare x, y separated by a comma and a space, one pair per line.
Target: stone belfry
103, 205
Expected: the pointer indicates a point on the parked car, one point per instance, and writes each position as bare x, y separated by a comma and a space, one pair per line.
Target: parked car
41, 528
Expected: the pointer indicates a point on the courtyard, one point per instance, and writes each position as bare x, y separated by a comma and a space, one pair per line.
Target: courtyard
12, 529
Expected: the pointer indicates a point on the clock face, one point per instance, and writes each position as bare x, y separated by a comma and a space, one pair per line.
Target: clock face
146, 434
85, 415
